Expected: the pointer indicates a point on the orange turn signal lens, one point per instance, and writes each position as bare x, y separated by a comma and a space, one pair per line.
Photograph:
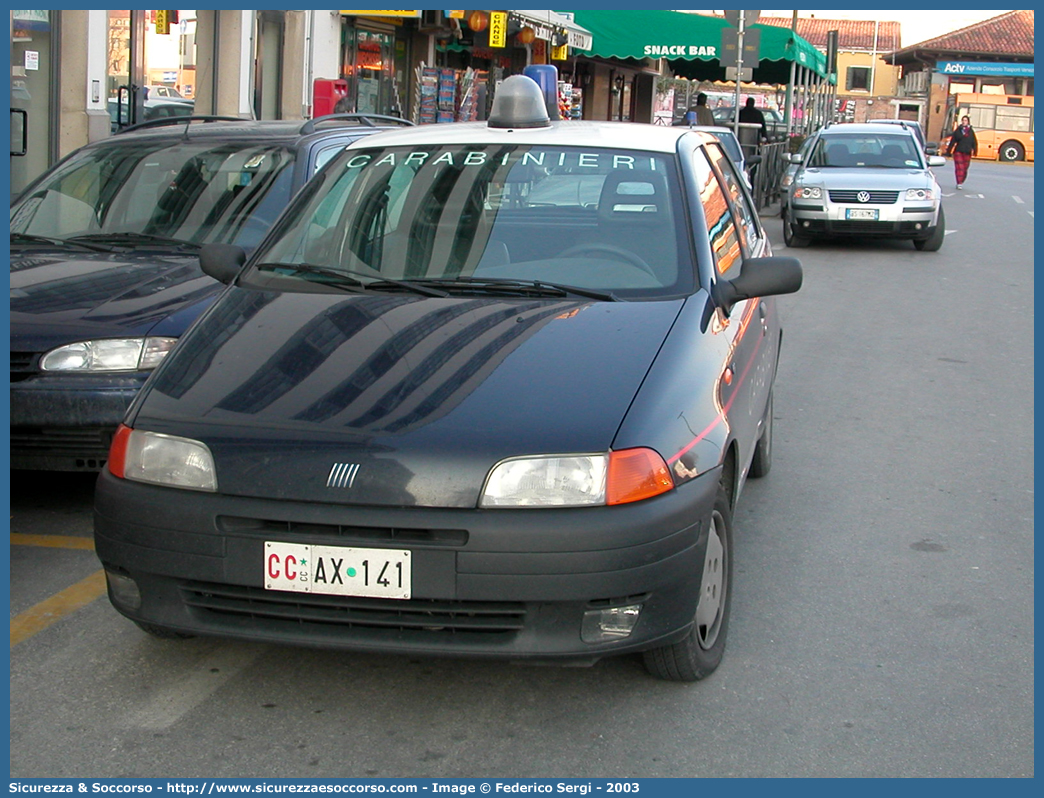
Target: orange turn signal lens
118, 451
636, 474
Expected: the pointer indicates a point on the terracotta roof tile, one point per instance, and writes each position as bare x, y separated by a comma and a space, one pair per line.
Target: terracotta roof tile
854, 34
1008, 34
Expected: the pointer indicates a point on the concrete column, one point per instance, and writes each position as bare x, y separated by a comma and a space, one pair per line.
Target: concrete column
223, 74
81, 118
293, 101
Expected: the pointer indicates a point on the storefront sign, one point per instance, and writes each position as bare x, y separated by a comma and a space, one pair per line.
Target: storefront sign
498, 29
1007, 70
560, 53
383, 13
32, 60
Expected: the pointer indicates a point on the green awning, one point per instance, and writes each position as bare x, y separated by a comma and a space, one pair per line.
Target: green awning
692, 43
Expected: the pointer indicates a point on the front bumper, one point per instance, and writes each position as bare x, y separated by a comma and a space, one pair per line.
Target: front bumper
834, 219
511, 584
66, 422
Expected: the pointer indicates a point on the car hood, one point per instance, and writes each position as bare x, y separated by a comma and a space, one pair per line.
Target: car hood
398, 400
863, 177
60, 298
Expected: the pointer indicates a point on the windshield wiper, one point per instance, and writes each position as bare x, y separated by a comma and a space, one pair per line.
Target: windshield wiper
27, 238
338, 278
523, 287
136, 238
345, 278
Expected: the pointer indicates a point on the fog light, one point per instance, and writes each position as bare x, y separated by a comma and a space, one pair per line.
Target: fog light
613, 623
806, 223
918, 226
124, 590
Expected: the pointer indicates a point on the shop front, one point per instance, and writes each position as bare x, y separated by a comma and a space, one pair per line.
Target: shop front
34, 55
375, 60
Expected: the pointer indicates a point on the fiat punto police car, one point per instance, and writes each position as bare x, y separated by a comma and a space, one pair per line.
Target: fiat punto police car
488, 389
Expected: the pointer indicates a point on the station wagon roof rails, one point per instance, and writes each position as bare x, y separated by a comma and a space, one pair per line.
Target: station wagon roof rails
369, 120
177, 120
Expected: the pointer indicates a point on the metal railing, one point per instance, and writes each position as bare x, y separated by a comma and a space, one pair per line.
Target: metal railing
768, 172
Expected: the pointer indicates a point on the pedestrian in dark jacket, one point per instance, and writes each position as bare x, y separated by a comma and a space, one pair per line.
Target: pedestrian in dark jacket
749, 113
963, 145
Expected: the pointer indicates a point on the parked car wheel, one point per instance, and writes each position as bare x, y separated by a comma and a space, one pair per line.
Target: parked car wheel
789, 238
1011, 151
935, 240
761, 463
698, 655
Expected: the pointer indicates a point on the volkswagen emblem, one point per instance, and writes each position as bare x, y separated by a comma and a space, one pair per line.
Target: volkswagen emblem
342, 475
863, 196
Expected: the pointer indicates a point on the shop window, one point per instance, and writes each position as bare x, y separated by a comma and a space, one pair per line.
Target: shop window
858, 79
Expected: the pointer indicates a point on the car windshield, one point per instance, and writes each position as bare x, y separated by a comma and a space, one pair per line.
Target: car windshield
195, 191
866, 150
597, 219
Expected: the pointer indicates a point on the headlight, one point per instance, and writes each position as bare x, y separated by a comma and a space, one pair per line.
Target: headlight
919, 194
109, 354
786, 181
577, 480
162, 460
805, 192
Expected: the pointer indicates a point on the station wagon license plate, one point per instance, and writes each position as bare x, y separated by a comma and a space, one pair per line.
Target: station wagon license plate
337, 570
861, 213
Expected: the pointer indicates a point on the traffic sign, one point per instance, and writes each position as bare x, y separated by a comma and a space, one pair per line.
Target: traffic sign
748, 17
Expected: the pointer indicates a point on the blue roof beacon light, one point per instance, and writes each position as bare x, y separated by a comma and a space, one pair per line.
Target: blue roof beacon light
519, 103
546, 77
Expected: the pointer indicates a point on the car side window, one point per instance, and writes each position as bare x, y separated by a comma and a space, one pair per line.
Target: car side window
721, 229
326, 154
750, 234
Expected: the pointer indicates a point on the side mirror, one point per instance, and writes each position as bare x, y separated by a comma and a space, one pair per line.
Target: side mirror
795, 157
761, 277
753, 160
936, 160
222, 261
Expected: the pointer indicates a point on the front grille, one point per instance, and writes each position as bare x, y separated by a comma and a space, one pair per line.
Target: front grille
232, 603
343, 533
62, 448
882, 228
876, 197
23, 365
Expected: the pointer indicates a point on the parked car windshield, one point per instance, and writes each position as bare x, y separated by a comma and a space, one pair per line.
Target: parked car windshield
866, 149
195, 191
608, 220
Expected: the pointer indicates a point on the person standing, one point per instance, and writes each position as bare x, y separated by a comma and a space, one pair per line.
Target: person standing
753, 115
963, 145
704, 116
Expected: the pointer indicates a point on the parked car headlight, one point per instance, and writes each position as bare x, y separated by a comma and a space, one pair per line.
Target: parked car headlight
786, 181
808, 192
162, 459
920, 194
577, 480
109, 354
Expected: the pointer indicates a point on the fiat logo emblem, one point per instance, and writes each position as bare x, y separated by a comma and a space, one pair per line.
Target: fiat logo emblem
863, 196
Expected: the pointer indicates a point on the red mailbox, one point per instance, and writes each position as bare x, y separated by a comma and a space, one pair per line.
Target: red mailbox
325, 94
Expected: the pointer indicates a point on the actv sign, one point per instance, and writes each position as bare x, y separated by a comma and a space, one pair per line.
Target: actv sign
998, 69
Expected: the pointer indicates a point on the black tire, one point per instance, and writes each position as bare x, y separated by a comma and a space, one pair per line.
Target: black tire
699, 653
1011, 151
162, 631
789, 238
761, 462
935, 240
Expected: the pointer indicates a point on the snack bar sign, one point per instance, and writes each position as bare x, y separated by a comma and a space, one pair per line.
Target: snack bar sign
498, 24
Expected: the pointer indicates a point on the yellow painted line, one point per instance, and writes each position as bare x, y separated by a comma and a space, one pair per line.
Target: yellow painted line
50, 611
52, 541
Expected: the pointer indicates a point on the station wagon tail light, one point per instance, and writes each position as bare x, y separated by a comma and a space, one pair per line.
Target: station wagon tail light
161, 460
108, 354
805, 192
919, 194
578, 480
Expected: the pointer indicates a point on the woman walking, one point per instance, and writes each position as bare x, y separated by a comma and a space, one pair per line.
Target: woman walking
963, 145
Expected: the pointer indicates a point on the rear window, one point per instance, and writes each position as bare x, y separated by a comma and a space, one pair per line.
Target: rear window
589, 217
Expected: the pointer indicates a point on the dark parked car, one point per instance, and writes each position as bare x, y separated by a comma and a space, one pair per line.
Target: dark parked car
775, 124
441, 410
119, 113
105, 263
915, 128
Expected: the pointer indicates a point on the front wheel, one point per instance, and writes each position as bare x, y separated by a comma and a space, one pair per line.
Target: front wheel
1011, 151
699, 653
789, 238
935, 240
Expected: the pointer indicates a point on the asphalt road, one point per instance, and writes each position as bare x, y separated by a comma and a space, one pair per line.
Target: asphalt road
883, 616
